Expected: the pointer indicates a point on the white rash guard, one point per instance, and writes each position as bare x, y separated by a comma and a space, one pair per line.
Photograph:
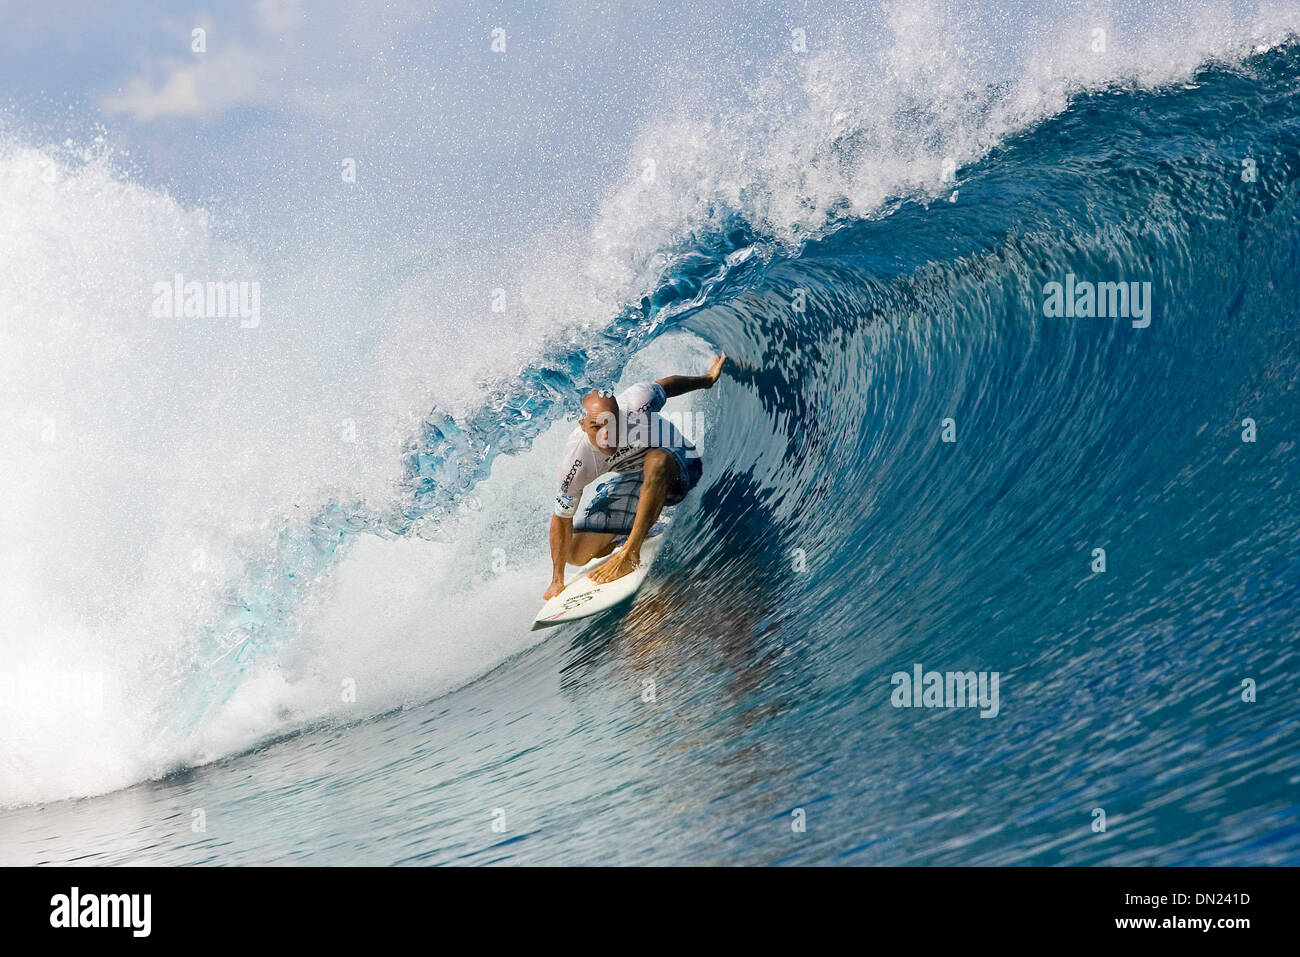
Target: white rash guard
642, 429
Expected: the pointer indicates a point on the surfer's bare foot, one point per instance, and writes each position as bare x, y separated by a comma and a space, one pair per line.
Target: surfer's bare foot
620, 563
555, 589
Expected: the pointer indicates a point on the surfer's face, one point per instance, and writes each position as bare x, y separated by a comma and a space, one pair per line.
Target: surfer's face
602, 428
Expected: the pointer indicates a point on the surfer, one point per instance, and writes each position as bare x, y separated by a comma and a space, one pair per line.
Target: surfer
655, 465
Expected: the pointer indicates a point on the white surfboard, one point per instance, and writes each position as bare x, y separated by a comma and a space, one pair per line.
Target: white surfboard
583, 598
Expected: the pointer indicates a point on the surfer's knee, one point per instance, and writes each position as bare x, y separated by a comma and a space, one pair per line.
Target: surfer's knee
579, 551
659, 465
588, 546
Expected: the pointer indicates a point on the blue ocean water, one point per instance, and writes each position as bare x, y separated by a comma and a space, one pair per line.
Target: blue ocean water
838, 539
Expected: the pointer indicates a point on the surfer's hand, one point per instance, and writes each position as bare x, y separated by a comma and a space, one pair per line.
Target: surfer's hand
620, 563
557, 586
715, 370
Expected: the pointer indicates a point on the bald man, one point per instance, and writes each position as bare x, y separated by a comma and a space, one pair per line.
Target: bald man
654, 465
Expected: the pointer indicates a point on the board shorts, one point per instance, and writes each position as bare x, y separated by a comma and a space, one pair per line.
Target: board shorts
613, 505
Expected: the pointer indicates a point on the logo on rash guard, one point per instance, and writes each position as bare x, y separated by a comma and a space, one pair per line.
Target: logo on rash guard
565, 502
569, 478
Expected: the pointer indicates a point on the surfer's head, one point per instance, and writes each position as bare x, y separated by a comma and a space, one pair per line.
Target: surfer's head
600, 419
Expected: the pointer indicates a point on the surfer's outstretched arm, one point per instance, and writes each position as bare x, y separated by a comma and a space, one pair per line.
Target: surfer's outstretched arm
679, 384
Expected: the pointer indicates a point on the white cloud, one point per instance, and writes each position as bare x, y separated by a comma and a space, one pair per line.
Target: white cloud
217, 82
272, 60
177, 96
